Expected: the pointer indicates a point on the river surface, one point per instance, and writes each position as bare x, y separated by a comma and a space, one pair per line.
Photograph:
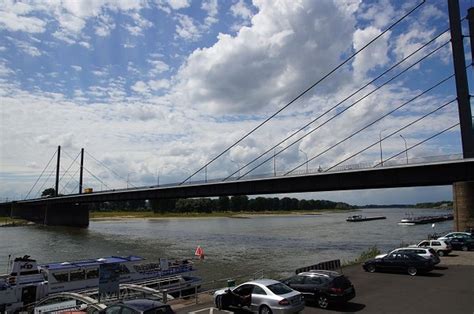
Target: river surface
233, 246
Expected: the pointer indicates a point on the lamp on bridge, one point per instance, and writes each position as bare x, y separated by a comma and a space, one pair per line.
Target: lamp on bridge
306, 159
406, 148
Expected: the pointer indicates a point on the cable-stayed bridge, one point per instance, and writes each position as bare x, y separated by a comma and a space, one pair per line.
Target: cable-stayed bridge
394, 170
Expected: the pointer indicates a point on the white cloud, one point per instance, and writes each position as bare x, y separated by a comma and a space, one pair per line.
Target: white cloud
140, 24
211, 7
76, 67
179, 4
280, 54
140, 87
186, 28
27, 48
241, 10
158, 84
158, 66
374, 55
5, 70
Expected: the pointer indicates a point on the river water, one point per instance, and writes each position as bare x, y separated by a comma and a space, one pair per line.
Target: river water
232, 246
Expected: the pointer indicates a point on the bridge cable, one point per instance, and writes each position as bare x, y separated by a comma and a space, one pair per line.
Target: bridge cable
71, 178
338, 104
93, 175
111, 170
70, 165
44, 182
308, 89
348, 107
376, 120
395, 132
418, 144
47, 165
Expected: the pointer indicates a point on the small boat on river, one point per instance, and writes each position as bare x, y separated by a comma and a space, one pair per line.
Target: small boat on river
358, 218
28, 282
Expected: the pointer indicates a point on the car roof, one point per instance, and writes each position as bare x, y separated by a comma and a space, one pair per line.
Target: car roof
142, 304
265, 282
325, 273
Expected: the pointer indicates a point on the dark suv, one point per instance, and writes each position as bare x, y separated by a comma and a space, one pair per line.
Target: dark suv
322, 286
464, 244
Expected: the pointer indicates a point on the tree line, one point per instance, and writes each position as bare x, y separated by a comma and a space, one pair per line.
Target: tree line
242, 203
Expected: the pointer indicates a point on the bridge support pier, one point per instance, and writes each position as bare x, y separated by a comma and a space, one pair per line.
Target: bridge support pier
463, 201
72, 215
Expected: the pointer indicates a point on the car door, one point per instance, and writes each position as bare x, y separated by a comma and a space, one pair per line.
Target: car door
313, 286
388, 263
297, 283
259, 296
242, 295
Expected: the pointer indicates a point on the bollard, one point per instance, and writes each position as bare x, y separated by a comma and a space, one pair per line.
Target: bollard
165, 296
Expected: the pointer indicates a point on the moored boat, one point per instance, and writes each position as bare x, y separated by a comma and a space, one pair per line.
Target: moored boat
28, 282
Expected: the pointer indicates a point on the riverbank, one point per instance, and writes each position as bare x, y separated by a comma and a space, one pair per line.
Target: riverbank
120, 215
13, 222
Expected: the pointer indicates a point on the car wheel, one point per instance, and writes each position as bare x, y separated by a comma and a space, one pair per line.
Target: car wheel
371, 268
323, 302
464, 248
219, 303
441, 253
412, 271
265, 310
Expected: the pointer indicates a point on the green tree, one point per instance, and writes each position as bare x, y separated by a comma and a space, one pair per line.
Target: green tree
48, 192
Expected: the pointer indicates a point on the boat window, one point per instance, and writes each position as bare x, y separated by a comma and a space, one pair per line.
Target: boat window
61, 277
78, 275
92, 273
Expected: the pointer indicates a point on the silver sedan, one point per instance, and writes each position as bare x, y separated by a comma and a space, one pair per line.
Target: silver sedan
260, 296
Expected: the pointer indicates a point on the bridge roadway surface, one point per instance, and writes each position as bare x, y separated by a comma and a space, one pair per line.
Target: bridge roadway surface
447, 289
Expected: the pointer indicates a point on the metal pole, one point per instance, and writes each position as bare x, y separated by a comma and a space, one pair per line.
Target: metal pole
80, 171
470, 18
306, 159
274, 166
381, 154
205, 174
238, 166
57, 171
462, 87
406, 149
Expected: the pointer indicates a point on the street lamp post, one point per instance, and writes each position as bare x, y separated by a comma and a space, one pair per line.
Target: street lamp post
381, 154
406, 148
306, 159
238, 166
274, 165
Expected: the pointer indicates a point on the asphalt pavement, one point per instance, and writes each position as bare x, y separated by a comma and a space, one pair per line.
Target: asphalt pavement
447, 289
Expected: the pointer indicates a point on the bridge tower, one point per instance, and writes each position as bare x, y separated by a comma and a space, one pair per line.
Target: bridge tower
463, 192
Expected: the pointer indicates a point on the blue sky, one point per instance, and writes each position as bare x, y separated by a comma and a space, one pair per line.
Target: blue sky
154, 89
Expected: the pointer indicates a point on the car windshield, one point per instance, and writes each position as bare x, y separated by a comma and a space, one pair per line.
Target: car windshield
279, 288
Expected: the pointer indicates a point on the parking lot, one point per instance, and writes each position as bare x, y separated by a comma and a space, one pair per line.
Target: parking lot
447, 289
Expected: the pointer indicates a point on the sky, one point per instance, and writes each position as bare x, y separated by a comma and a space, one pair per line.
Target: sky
153, 90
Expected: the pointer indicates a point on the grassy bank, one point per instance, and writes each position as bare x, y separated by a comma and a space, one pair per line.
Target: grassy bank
13, 222
150, 214
365, 255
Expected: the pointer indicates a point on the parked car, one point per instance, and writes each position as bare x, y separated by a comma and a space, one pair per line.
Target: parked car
322, 286
439, 246
427, 253
138, 306
464, 244
260, 296
452, 235
400, 262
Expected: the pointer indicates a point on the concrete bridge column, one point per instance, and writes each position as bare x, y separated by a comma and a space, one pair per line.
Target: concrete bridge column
463, 201
28, 212
73, 215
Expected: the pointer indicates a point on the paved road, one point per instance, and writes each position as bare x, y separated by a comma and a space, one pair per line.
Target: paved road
447, 289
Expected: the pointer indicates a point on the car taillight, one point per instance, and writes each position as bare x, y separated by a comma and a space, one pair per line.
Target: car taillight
284, 302
336, 290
